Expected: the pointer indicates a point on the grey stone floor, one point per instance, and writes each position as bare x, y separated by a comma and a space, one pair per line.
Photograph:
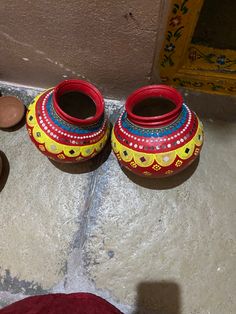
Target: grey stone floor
164, 246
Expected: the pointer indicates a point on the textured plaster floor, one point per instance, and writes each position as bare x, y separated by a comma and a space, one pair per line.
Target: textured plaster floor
166, 247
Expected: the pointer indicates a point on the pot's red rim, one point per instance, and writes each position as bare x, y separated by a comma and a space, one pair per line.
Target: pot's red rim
85, 88
154, 91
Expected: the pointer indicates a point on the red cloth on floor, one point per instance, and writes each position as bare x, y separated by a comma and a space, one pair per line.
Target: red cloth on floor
75, 303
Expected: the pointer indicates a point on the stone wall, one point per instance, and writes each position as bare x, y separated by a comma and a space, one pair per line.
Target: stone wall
110, 43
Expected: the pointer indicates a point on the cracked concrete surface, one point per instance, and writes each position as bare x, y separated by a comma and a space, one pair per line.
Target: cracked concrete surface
39, 212
184, 235
164, 246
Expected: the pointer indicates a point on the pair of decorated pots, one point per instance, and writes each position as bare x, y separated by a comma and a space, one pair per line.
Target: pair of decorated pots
156, 135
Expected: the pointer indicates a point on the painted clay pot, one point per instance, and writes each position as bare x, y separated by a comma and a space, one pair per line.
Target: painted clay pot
12, 111
157, 135
67, 123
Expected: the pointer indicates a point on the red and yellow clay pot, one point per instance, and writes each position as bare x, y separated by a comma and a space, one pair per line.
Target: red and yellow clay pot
61, 136
157, 145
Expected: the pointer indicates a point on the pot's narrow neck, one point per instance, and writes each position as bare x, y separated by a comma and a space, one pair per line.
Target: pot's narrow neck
154, 91
81, 87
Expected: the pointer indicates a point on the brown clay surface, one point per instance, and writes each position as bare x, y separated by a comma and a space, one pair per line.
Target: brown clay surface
11, 111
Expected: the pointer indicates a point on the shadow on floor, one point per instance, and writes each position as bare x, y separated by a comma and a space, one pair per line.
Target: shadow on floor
5, 170
158, 297
163, 183
85, 166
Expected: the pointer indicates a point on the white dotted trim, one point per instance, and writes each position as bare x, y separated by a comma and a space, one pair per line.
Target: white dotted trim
164, 139
46, 124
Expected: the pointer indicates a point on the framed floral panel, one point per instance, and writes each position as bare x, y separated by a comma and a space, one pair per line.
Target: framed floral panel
199, 66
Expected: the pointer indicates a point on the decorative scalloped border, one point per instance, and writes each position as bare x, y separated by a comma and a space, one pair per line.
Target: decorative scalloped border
60, 151
165, 159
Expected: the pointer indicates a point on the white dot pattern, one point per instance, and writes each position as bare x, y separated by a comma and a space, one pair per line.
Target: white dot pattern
178, 135
54, 131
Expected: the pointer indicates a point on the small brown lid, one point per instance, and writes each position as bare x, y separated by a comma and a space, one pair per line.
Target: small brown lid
11, 111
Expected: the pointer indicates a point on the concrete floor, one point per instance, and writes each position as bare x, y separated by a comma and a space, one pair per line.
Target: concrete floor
165, 246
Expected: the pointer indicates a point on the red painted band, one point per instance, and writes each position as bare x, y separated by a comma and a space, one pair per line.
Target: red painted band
154, 91
85, 88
